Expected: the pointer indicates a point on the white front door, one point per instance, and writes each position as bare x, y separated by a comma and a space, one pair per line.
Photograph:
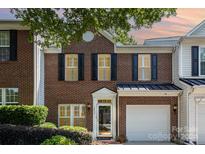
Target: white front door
104, 120
148, 122
201, 124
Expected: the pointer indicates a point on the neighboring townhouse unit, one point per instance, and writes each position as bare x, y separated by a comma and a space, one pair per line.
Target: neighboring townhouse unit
114, 91
16, 64
189, 75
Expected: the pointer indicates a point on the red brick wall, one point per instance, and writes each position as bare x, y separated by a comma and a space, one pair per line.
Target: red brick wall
65, 92
123, 101
20, 73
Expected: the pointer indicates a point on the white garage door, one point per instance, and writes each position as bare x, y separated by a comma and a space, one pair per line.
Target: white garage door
148, 122
201, 124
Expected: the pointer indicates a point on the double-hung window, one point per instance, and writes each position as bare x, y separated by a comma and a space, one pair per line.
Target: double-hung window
104, 67
71, 67
72, 115
144, 67
202, 61
9, 96
4, 45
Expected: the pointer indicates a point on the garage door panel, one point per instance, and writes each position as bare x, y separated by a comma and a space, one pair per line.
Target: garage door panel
201, 124
147, 122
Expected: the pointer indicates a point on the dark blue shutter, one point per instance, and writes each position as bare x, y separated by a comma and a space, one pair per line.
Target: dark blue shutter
61, 67
113, 66
94, 59
81, 66
195, 60
154, 66
13, 45
135, 67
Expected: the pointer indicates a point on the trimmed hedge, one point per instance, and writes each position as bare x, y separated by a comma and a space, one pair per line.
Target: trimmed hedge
58, 140
24, 135
74, 128
47, 125
23, 114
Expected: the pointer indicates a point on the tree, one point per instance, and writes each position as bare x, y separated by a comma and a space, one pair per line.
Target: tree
62, 26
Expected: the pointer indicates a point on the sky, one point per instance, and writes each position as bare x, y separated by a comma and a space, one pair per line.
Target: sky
178, 25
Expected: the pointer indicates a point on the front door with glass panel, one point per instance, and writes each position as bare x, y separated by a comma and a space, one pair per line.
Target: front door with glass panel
104, 117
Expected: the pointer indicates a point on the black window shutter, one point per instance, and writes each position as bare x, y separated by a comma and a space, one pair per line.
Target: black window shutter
94, 59
195, 60
61, 67
80, 66
13, 45
135, 67
113, 66
154, 66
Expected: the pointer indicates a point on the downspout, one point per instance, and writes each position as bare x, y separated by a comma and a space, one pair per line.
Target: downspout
35, 71
118, 118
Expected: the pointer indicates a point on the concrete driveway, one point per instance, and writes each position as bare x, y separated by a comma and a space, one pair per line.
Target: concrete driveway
148, 143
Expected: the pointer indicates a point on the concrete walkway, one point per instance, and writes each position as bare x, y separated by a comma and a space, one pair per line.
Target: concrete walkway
148, 143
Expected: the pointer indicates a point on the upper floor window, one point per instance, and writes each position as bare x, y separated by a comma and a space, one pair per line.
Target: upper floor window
144, 67
8, 95
202, 61
104, 67
71, 67
4, 45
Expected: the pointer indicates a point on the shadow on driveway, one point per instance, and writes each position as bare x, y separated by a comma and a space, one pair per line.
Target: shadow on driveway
148, 143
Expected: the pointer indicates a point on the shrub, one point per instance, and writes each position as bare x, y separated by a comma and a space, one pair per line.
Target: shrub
74, 128
58, 140
23, 114
25, 135
48, 125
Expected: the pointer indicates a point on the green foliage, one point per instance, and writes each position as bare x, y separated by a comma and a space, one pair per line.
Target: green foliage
24, 135
62, 26
58, 140
74, 129
48, 125
23, 114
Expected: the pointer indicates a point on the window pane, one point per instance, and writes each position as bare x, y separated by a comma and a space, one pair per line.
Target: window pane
104, 62
107, 60
79, 122
64, 121
71, 70
202, 54
68, 111
4, 53
144, 67
203, 68
100, 60
12, 95
83, 111
107, 74
76, 111
4, 39
62, 111
146, 60
100, 74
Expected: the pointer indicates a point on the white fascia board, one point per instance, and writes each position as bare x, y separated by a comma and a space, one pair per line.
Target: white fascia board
144, 49
107, 35
149, 93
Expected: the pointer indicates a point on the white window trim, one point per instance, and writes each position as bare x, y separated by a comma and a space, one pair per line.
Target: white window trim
142, 68
71, 112
104, 67
4, 97
70, 67
199, 64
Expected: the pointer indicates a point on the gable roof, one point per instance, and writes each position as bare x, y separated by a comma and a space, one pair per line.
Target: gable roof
196, 30
169, 41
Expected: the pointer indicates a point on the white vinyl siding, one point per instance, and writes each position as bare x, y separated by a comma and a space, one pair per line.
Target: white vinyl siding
71, 115
185, 67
